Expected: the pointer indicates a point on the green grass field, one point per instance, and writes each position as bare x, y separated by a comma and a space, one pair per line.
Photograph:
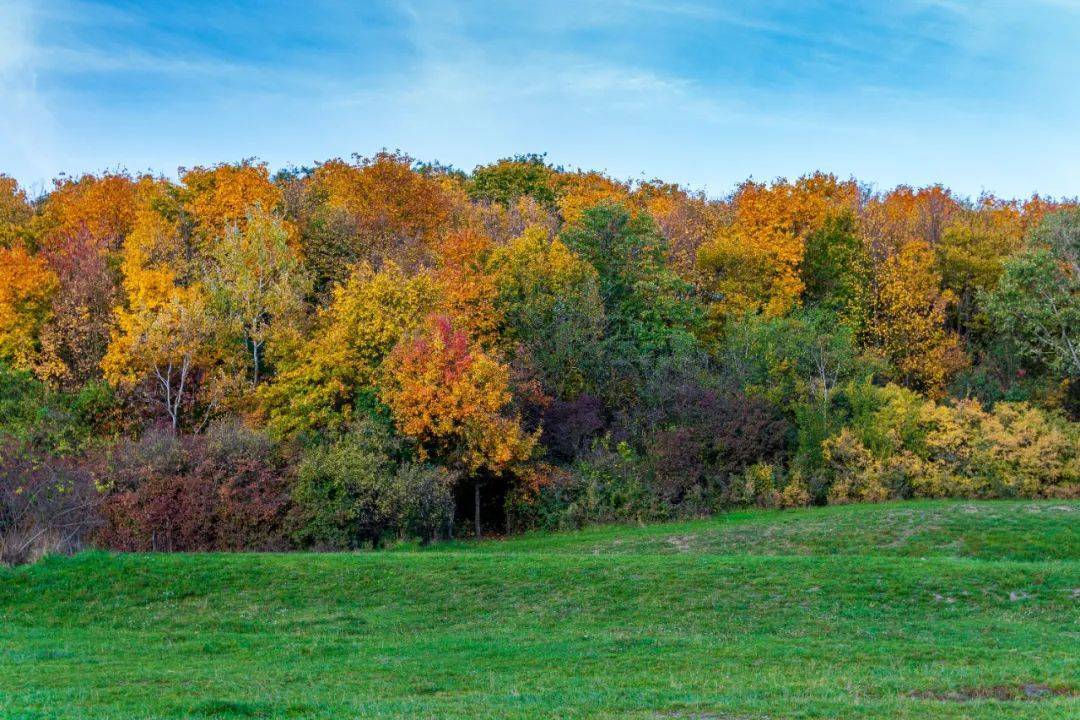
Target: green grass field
911, 610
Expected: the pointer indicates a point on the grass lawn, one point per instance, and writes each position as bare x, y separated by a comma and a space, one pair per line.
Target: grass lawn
908, 610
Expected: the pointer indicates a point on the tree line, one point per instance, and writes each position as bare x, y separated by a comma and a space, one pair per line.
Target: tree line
377, 348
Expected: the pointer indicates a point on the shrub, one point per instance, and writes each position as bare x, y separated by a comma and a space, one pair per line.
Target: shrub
570, 425
603, 486
900, 445
858, 476
428, 505
47, 504
708, 438
764, 485
1014, 450
355, 492
54, 423
221, 491
795, 494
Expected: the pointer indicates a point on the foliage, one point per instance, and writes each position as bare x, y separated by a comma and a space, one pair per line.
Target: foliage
900, 445
754, 262
648, 310
257, 285
706, 439
550, 346
59, 423
47, 504
15, 211
579, 191
27, 286
569, 426
836, 270
1036, 304
76, 336
467, 290
220, 491
451, 400
215, 199
316, 386
371, 210
101, 208
907, 323
360, 489
550, 303
971, 254
604, 486
509, 179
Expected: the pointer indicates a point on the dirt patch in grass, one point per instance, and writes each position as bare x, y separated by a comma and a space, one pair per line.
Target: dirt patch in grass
1028, 691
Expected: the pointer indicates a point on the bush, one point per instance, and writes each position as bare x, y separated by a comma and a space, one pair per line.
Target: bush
858, 476
53, 423
1014, 450
603, 486
355, 491
569, 426
428, 505
221, 491
707, 438
763, 485
900, 445
47, 504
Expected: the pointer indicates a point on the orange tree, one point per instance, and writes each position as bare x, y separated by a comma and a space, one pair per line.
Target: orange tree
452, 401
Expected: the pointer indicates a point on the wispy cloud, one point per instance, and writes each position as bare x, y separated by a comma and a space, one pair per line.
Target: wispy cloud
27, 125
701, 91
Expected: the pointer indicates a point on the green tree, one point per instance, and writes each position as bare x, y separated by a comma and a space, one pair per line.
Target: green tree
648, 307
511, 178
257, 284
550, 301
837, 271
1036, 305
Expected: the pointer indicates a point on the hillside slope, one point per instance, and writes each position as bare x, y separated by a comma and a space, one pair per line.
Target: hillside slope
912, 610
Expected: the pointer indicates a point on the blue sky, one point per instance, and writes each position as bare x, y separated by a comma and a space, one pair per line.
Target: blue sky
978, 95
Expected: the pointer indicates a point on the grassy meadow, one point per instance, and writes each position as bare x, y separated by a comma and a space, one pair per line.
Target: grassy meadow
903, 610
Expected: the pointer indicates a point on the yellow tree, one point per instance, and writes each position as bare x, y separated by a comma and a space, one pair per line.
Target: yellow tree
370, 210
467, 290
908, 320
686, 219
27, 287
317, 387
972, 251
15, 211
217, 198
905, 213
754, 262
257, 284
100, 207
81, 228
161, 340
579, 191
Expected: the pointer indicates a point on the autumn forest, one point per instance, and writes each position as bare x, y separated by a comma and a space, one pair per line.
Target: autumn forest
379, 349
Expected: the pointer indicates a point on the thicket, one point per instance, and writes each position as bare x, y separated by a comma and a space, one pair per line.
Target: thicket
378, 349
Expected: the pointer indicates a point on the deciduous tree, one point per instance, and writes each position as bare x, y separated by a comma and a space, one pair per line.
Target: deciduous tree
452, 401
908, 320
27, 289
257, 284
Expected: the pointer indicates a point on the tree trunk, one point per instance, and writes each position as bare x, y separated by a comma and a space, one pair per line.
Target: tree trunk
476, 506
